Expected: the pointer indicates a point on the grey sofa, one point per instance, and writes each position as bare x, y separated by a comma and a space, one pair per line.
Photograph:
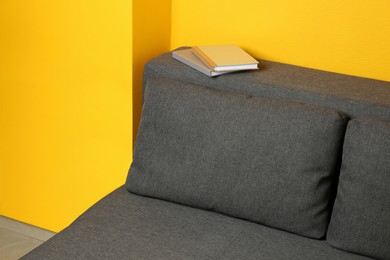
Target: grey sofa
281, 163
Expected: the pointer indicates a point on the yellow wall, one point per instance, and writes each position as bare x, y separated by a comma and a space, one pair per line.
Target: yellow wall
67, 69
348, 36
65, 106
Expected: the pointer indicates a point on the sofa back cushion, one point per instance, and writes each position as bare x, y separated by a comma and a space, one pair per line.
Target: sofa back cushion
361, 216
263, 160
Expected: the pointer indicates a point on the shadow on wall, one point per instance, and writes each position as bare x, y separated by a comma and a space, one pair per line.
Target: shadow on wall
151, 36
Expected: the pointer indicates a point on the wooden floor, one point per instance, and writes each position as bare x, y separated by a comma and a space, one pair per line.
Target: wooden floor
17, 239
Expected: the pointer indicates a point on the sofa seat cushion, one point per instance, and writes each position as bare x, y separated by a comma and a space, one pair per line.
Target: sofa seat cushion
264, 160
360, 221
128, 226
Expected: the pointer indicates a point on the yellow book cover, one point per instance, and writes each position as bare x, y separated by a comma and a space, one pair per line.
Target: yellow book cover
225, 57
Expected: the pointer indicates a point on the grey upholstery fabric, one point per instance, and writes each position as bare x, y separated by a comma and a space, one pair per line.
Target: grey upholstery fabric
127, 226
361, 216
263, 160
357, 97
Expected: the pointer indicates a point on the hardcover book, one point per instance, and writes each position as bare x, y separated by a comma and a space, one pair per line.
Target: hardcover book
225, 58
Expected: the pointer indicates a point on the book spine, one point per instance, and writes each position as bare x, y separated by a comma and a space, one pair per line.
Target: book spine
192, 65
203, 57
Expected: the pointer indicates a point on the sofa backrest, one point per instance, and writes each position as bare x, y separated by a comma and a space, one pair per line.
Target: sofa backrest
355, 96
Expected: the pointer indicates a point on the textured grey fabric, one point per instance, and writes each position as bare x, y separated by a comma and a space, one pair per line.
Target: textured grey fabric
358, 97
263, 160
361, 216
127, 226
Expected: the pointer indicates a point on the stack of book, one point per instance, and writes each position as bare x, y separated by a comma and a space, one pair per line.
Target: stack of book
214, 60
